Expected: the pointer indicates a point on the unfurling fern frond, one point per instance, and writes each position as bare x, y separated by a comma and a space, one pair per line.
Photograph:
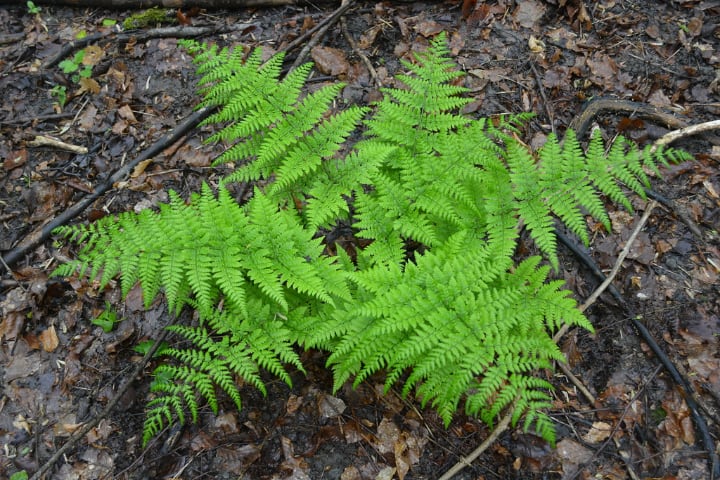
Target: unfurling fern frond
435, 296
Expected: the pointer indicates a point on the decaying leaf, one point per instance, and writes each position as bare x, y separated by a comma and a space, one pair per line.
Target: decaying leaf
330, 61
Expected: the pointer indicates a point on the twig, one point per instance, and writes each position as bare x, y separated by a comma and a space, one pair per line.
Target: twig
616, 268
688, 131
44, 232
326, 22
140, 35
468, 459
679, 210
75, 437
576, 381
45, 141
546, 103
319, 31
359, 53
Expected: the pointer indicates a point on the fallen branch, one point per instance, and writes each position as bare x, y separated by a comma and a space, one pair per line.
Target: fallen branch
581, 123
43, 233
468, 459
141, 36
688, 131
135, 4
321, 30
79, 434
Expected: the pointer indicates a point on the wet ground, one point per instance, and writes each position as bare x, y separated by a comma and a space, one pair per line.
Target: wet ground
59, 370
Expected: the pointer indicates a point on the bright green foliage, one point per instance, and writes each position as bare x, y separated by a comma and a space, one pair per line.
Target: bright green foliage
436, 299
275, 130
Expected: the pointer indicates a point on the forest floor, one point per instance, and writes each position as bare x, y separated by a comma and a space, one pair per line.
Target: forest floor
59, 370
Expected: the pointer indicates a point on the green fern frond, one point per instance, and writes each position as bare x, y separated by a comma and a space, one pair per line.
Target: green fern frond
434, 297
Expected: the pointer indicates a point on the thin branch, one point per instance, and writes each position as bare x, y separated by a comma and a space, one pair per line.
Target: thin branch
468, 459
79, 434
688, 131
318, 32
616, 268
141, 36
45, 231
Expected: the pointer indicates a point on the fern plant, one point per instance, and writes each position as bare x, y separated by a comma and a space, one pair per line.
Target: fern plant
436, 299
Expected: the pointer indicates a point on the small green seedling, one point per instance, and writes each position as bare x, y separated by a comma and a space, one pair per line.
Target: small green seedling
34, 9
107, 319
60, 93
76, 67
143, 347
21, 475
108, 22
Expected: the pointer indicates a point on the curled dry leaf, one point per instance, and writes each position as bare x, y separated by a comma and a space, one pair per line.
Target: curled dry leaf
49, 339
599, 432
330, 406
93, 55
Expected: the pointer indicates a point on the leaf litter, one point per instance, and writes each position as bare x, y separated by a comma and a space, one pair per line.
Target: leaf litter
58, 370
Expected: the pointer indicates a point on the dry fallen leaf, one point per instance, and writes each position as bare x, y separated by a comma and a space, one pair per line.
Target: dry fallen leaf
386, 473
140, 168
88, 85
93, 55
15, 159
329, 406
528, 13
536, 46
49, 339
599, 432
330, 61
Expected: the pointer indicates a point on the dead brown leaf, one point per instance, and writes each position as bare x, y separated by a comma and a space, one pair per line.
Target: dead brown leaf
428, 28
528, 13
88, 85
368, 37
93, 55
599, 432
603, 70
572, 455
329, 406
49, 339
330, 61
236, 459
101, 432
15, 159
678, 422
11, 325
87, 120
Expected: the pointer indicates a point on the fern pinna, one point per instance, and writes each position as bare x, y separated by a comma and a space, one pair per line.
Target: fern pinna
436, 299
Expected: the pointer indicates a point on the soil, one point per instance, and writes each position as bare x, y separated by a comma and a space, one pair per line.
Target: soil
59, 370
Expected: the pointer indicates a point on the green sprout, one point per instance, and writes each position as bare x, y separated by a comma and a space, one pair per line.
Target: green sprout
60, 93
32, 8
107, 319
75, 66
